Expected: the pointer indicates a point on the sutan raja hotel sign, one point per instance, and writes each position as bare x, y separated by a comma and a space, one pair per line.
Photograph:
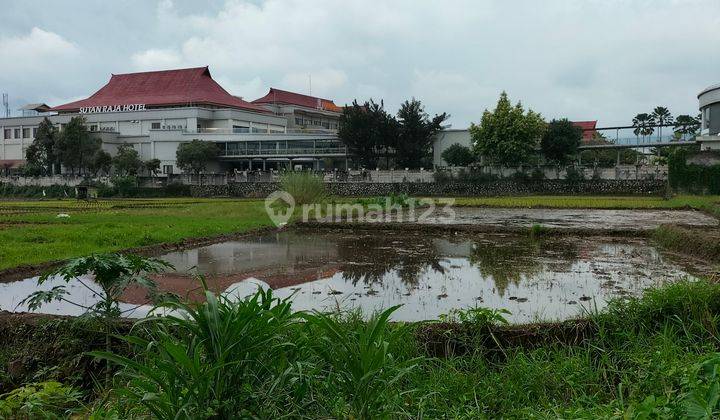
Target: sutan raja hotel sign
111, 108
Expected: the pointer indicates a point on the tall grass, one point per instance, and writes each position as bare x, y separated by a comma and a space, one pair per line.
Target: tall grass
305, 187
652, 357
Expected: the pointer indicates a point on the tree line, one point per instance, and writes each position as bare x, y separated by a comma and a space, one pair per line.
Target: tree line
509, 135
377, 138
74, 149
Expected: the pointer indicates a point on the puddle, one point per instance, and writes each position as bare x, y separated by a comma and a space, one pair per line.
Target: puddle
430, 274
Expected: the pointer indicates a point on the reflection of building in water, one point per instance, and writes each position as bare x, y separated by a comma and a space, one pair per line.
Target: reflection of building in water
285, 250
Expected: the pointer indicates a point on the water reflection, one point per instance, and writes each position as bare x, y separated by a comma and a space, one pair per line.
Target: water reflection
429, 274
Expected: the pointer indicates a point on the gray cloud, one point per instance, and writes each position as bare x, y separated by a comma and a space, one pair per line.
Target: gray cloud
592, 59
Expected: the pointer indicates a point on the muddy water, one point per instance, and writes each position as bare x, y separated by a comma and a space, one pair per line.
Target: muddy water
560, 218
429, 274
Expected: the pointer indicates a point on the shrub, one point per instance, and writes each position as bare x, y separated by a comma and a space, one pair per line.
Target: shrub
458, 155
40, 400
305, 187
692, 178
574, 175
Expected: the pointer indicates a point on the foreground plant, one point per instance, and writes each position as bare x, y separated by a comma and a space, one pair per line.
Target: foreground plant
41, 400
215, 359
112, 274
363, 368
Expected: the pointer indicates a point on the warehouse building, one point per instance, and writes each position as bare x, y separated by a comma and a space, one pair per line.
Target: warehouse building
156, 111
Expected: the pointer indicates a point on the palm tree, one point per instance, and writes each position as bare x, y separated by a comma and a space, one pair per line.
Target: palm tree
643, 125
662, 116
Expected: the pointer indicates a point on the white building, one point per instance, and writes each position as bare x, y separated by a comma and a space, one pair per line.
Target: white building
709, 102
157, 111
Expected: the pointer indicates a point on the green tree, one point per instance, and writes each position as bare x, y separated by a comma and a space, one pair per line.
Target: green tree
41, 153
368, 132
195, 156
662, 116
75, 148
561, 140
101, 162
152, 166
416, 133
127, 160
643, 124
458, 155
508, 134
686, 125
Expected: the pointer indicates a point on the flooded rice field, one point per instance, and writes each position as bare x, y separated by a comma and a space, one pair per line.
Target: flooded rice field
428, 273
596, 219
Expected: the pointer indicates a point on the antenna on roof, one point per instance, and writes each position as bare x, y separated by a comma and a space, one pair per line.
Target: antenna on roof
6, 104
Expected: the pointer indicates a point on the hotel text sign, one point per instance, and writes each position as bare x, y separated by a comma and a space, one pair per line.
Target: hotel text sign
112, 108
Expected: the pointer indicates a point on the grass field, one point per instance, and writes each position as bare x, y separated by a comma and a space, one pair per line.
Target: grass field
31, 232
710, 204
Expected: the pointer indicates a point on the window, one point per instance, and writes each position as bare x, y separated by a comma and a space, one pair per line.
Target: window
298, 121
326, 124
155, 126
259, 130
34, 132
7, 134
26, 133
240, 129
93, 127
16, 133
316, 122
167, 169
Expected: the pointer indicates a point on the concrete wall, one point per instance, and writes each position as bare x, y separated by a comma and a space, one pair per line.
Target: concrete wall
497, 188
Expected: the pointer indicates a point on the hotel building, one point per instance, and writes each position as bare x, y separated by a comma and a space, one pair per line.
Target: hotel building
156, 111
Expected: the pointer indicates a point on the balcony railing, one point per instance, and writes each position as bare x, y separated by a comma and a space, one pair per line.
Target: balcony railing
319, 151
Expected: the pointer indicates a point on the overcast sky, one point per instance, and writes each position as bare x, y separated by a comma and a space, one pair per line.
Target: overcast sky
604, 59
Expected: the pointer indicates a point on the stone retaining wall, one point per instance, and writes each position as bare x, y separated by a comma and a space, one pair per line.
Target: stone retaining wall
496, 188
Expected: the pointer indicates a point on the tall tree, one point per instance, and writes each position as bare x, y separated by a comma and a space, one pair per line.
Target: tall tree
662, 116
127, 160
42, 152
643, 124
368, 132
195, 156
561, 140
416, 132
686, 125
508, 134
75, 148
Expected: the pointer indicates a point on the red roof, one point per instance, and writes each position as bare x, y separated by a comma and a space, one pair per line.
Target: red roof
588, 128
277, 96
192, 86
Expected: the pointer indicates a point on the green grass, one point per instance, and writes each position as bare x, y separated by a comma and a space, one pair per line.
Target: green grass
650, 357
710, 204
31, 232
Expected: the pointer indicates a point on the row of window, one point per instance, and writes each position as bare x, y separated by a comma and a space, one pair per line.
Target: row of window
15, 133
317, 123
